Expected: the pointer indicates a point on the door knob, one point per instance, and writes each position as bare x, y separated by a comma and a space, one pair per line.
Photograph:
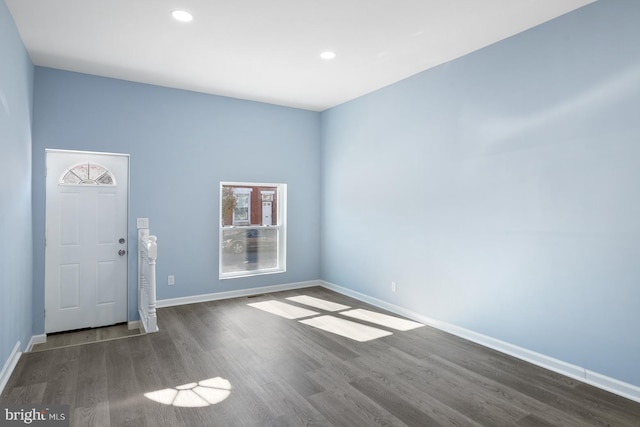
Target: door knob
121, 240
121, 252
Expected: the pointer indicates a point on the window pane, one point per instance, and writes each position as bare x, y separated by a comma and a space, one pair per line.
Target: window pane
82, 171
70, 178
249, 249
106, 179
95, 171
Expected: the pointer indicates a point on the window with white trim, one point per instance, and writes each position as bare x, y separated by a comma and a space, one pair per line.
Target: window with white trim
252, 229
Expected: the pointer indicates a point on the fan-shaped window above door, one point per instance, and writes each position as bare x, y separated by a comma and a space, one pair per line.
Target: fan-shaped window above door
87, 174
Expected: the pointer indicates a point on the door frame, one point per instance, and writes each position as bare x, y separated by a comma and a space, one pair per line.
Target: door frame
127, 213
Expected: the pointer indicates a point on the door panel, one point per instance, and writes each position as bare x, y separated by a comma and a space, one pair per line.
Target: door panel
106, 215
106, 273
69, 221
69, 293
86, 216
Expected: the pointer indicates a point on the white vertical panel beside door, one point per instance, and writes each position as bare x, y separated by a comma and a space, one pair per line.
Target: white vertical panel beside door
266, 213
86, 246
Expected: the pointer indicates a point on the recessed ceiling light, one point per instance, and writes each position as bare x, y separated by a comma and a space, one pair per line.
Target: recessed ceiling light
182, 16
328, 55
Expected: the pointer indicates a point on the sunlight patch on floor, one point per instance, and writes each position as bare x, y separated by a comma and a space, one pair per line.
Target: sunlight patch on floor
346, 328
382, 319
193, 395
282, 309
318, 303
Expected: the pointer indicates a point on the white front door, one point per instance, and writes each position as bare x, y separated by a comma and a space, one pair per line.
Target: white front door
86, 240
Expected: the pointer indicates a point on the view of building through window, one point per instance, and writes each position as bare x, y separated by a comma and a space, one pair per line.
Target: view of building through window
252, 229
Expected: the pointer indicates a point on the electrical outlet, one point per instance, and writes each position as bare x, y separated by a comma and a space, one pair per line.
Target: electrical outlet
171, 280
393, 286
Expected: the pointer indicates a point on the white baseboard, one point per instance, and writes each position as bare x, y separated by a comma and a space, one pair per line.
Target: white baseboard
612, 385
35, 339
134, 324
579, 373
9, 366
235, 294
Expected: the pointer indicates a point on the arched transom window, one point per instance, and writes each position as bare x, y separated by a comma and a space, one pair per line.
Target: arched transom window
87, 173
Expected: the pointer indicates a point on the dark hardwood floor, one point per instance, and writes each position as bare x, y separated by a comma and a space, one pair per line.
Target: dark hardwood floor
281, 372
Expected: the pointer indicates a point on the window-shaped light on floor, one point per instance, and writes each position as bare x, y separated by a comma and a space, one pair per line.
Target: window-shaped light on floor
193, 395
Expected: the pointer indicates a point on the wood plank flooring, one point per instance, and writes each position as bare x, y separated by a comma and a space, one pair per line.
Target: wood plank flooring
86, 336
285, 373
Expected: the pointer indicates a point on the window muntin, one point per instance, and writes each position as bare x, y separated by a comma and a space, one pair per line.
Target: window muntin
252, 240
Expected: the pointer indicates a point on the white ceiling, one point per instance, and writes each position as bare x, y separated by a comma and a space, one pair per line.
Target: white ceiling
268, 50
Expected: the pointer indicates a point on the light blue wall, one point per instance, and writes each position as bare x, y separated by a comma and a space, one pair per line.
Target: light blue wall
182, 144
501, 191
16, 89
